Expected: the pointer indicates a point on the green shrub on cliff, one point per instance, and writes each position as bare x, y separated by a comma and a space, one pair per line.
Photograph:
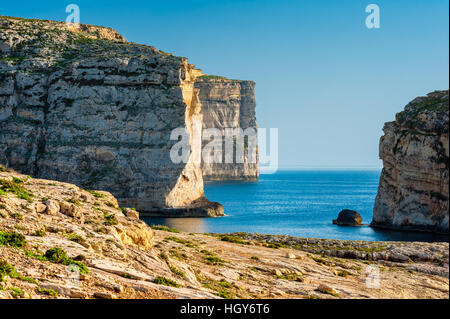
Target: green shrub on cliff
127, 275
15, 187
56, 255
223, 288
97, 194
275, 245
48, 292
177, 255
165, 228
14, 59
6, 270
166, 282
185, 242
76, 238
411, 113
214, 260
233, 239
39, 233
110, 219
16, 292
212, 77
59, 256
12, 239
177, 272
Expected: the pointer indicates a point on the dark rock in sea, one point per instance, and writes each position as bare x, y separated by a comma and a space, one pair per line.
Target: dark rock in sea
348, 217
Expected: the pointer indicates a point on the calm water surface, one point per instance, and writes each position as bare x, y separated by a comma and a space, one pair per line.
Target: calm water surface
297, 203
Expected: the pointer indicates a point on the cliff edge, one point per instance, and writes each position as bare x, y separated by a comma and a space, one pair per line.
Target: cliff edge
414, 184
82, 105
228, 104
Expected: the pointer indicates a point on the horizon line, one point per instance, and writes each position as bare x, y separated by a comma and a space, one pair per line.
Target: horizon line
308, 167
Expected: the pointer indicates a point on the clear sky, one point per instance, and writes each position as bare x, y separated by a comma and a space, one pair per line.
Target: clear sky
323, 79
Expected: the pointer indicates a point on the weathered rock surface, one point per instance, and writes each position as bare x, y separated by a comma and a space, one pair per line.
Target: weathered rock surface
228, 104
413, 193
85, 106
348, 217
124, 258
397, 252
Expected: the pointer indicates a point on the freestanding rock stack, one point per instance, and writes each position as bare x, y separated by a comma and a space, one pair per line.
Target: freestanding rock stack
348, 217
228, 104
84, 106
414, 185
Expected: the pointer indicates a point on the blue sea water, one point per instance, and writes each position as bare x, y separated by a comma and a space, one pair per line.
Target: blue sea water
299, 203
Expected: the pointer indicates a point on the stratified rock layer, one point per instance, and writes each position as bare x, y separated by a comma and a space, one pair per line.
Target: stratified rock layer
228, 104
413, 191
82, 105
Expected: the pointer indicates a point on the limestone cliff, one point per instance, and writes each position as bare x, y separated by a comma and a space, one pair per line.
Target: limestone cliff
228, 104
84, 106
414, 184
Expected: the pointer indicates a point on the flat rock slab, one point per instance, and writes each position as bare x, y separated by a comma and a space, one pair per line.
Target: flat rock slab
118, 269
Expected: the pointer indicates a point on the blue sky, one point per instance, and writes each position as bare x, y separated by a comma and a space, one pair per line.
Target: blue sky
323, 79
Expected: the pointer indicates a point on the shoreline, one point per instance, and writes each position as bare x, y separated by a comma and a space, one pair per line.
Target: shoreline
47, 226
410, 229
280, 237
440, 236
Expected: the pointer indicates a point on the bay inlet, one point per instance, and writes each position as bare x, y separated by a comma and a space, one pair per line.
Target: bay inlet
299, 203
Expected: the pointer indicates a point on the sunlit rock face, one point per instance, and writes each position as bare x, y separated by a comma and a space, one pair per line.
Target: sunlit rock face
84, 106
413, 191
228, 104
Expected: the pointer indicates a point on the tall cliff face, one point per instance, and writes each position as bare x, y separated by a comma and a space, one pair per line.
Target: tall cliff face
414, 184
228, 104
84, 106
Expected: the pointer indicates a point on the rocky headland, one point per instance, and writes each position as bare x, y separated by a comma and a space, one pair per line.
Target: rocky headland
83, 105
413, 191
228, 104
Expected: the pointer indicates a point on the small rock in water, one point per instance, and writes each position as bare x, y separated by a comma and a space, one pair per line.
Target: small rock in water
348, 217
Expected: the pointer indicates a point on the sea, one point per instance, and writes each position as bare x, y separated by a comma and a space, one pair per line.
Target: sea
299, 203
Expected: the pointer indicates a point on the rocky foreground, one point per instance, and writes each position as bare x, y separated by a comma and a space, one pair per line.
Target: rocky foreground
60, 241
